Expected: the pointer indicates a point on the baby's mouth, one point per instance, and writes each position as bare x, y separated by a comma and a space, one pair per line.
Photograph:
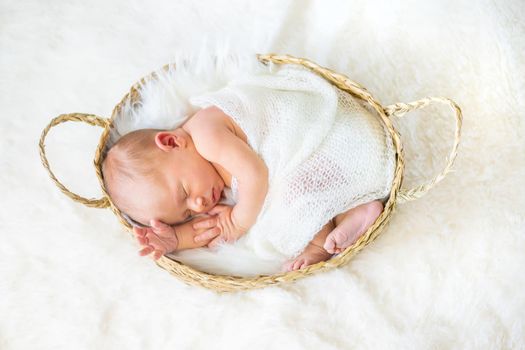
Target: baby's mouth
221, 194
215, 196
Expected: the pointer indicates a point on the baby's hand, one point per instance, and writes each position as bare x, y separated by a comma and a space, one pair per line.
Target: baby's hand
158, 239
223, 220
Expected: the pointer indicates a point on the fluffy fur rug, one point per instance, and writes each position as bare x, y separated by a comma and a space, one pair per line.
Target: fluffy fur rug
447, 271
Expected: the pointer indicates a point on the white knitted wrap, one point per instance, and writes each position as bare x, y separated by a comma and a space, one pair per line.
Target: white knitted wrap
325, 152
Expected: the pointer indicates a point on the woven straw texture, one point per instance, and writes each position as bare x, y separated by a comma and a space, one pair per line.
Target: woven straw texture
221, 283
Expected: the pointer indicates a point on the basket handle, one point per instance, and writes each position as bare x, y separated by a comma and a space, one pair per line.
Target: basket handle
400, 109
75, 117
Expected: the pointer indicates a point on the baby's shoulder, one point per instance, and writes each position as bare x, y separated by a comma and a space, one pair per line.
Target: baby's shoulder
208, 118
213, 119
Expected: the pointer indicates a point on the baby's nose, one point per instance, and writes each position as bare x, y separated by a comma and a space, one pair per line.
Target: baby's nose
200, 204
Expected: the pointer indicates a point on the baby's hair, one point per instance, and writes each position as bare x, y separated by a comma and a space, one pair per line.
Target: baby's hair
130, 159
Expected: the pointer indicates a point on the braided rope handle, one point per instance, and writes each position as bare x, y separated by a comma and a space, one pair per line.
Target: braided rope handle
399, 110
74, 117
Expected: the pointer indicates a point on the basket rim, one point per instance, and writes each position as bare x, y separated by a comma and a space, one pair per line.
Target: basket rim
228, 283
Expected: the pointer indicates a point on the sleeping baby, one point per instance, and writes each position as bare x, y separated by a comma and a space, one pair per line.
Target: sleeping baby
313, 189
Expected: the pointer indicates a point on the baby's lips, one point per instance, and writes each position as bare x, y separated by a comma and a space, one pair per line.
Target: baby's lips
216, 195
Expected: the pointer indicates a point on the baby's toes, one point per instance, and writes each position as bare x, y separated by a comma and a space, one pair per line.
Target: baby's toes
330, 244
305, 264
341, 238
298, 264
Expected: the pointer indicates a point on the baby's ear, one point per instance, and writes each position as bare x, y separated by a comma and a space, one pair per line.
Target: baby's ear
168, 140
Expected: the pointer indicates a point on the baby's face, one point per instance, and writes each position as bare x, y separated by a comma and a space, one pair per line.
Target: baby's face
186, 185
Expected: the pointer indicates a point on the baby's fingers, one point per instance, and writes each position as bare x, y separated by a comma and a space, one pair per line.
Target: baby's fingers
208, 223
140, 235
214, 232
157, 254
219, 208
139, 231
142, 240
146, 251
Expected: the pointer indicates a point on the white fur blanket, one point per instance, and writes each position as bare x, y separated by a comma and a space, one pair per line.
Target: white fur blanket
446, 273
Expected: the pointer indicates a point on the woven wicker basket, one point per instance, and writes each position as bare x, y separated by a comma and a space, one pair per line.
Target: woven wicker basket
223, 283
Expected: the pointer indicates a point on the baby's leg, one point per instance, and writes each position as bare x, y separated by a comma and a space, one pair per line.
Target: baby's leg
350, 225
314, 251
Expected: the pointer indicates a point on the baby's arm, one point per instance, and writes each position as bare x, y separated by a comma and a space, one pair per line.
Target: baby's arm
215, 140
186, 233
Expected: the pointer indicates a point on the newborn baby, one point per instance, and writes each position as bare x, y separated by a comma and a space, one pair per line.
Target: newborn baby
170, 182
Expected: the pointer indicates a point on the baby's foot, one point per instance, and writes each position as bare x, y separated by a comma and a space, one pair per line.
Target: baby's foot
312, 254
354, 223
